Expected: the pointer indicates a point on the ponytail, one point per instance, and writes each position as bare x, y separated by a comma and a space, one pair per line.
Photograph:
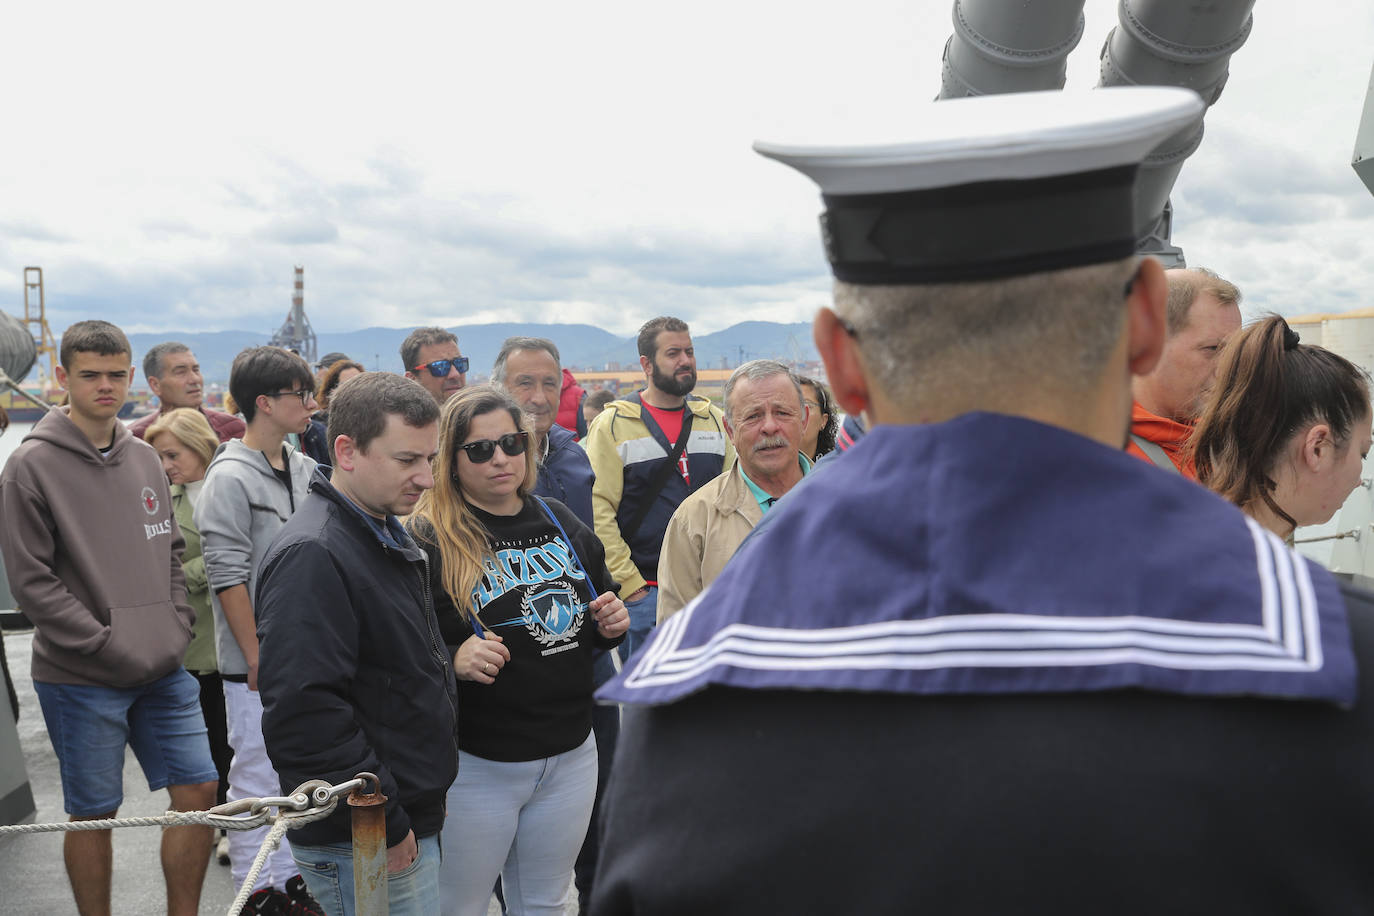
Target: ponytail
1269, 387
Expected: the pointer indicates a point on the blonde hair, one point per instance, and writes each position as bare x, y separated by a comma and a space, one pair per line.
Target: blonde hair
190, 428
463, 541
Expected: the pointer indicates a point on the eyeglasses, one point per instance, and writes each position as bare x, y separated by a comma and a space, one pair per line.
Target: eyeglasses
483, 450
440, 367
305, 394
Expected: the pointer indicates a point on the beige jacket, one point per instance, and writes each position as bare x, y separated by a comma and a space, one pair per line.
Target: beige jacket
701, 538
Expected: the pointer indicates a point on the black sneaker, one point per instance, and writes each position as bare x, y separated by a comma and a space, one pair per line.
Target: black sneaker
267, 901
299, 901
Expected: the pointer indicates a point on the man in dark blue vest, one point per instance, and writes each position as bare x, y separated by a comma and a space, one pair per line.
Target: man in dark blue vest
531, 370
989, 662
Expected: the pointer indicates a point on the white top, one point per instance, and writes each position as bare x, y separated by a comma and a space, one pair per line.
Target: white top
995, 137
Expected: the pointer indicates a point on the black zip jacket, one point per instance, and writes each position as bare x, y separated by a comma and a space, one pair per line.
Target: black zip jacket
353, 672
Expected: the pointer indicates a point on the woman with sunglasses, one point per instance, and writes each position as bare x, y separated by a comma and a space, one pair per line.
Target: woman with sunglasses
523, 596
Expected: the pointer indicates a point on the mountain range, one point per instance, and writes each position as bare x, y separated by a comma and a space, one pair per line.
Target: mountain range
580, 345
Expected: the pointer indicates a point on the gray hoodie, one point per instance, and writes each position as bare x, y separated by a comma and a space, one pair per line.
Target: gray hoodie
241, 508
93, 555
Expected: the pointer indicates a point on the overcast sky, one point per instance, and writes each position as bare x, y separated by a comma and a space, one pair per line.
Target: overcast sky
167, 164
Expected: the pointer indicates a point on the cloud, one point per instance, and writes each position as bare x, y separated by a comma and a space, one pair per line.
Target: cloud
299, 230
594, 177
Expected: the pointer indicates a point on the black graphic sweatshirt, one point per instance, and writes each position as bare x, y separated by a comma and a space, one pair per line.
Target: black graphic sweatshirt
534, 595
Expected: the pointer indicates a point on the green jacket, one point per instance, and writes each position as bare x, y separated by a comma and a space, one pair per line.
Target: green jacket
200, 654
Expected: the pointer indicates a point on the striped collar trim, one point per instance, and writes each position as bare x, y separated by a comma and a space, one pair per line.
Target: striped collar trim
1284, 639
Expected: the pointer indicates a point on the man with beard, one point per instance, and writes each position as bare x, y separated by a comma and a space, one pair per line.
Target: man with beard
651, 451
1204, 310
764, 418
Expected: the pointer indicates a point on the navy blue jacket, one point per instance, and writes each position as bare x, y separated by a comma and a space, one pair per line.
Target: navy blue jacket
315, 443
566, 475
353, 673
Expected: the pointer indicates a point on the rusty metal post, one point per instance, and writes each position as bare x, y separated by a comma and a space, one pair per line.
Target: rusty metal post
369, 848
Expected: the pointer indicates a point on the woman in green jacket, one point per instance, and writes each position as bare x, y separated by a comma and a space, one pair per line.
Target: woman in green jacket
186, 443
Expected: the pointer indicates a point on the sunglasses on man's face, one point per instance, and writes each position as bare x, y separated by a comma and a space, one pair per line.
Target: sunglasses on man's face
483, 450
440, 367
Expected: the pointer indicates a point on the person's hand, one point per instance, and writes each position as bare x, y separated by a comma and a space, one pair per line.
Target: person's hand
253, 675
480, 659
400, 856
611, 617
637, 593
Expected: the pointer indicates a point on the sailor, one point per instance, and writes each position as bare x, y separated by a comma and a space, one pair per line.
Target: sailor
1027, 673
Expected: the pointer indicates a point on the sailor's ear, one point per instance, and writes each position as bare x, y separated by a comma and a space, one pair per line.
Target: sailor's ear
843, 364
60, 373
345, 453
1147, 316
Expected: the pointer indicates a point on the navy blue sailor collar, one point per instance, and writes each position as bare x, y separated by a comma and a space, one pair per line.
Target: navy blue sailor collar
993, 554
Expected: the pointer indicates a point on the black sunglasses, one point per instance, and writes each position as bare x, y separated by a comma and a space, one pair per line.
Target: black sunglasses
439, 367
483, 450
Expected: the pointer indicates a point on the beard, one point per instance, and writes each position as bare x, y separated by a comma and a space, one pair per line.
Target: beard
677, 386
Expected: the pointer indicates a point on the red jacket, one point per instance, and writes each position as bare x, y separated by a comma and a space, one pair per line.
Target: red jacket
570, 406
1169, 435
226, 426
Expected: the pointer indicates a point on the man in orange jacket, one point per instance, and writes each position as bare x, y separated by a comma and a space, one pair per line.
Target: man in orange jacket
1204, 310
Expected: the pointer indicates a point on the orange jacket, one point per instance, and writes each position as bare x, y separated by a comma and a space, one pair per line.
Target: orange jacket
1169, 435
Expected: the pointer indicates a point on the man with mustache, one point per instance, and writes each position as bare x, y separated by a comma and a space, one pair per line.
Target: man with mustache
764, 418
173, 374
651, 451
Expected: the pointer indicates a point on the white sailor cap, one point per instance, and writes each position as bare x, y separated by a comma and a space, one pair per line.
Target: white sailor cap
990, 186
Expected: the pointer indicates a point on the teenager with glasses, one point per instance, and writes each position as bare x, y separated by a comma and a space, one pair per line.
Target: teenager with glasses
523, 596
252, 487
431, 357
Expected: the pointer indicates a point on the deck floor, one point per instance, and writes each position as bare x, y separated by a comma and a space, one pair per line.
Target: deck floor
32, 876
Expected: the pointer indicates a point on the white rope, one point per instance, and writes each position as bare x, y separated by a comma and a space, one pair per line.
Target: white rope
170, 819
269, 845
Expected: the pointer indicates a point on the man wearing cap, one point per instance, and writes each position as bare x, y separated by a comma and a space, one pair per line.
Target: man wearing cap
431, 357
1025, 672
1203, 310
324, 364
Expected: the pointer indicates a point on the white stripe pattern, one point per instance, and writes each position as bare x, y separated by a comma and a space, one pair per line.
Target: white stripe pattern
1286, 638
646, 448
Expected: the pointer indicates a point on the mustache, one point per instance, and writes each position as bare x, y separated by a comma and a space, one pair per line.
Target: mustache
771, 442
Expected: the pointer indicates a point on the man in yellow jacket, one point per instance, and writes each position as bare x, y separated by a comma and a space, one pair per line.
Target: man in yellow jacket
764, 418
650, 451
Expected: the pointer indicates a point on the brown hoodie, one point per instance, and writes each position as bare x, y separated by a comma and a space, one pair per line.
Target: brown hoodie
93, 555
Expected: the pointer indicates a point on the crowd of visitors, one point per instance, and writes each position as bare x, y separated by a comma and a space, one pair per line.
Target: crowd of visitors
433, 582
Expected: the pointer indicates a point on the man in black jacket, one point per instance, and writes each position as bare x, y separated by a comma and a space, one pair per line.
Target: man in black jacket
353, 674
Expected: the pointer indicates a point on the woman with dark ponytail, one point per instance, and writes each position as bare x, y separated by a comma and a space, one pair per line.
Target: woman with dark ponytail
1286, 428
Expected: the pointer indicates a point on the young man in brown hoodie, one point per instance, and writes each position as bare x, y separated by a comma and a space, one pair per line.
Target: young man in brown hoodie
106, 594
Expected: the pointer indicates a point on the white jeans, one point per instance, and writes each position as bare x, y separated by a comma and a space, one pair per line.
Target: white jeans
524, 821
251, 776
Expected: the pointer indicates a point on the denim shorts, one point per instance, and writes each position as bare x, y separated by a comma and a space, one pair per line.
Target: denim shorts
89, 727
